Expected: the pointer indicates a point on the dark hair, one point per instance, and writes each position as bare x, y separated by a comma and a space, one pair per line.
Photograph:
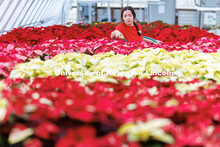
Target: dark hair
134, 15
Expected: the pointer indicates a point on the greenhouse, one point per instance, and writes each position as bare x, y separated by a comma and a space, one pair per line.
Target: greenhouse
109, 73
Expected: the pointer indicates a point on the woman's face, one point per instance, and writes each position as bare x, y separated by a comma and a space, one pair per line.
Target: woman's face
128, 18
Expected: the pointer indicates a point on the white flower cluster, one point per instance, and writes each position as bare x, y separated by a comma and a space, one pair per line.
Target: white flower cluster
183, 65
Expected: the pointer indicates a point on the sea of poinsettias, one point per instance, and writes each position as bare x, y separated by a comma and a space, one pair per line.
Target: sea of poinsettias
39, 106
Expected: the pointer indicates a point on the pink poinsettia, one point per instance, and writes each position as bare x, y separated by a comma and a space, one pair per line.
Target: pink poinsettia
12, 55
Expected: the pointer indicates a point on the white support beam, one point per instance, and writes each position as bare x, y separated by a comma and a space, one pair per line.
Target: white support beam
90, 12
141, 15
109, 11
207, 8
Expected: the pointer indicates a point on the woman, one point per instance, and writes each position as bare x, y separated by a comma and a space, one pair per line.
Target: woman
129, 29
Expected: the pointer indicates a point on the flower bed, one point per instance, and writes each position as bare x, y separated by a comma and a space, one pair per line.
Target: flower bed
41, 108
185, 65
105, 108
20, 52
158, 30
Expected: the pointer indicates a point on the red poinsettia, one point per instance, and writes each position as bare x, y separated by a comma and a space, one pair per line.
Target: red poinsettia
46, 130
34, 142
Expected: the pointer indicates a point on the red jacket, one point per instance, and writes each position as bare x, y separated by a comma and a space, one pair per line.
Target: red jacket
130, 32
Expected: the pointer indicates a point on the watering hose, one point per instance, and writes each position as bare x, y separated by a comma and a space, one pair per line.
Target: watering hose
142, 36
149, 38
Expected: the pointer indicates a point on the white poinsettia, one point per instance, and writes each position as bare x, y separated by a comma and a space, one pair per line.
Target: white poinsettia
3, 108
3, 102
185, 88
142, 131
184, 65
18, 135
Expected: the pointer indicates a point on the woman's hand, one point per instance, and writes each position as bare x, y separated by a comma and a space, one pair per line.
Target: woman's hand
117, 34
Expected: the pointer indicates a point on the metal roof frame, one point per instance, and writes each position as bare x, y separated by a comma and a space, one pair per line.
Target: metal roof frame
23, 13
